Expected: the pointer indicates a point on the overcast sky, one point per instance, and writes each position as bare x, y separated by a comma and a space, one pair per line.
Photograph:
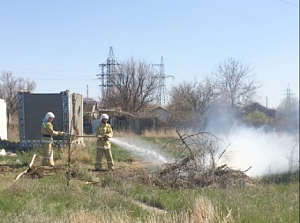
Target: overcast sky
60, 44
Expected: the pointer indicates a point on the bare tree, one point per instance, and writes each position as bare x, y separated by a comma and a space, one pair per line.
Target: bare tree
236, 83
193, 96
134, 86
9, 88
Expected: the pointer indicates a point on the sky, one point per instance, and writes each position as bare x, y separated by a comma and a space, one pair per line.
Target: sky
60, 44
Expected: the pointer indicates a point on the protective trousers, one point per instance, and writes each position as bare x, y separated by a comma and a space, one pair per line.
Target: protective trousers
99, 157
48, 155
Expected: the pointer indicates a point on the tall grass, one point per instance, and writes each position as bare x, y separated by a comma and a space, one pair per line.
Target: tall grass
47, 199
168, 134
115, 197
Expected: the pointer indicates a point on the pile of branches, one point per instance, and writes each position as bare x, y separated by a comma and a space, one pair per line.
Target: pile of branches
196, 165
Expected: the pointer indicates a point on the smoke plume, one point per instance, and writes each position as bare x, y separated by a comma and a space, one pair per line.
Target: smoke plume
266, 152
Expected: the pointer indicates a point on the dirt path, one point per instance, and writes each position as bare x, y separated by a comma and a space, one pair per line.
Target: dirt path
126, 197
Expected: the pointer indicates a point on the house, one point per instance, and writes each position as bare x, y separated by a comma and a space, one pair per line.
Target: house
90, 113
89, 105
162, 114
257, 107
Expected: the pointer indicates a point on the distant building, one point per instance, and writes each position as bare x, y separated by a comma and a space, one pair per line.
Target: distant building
90, 113
162, 114
89, 105
257, 107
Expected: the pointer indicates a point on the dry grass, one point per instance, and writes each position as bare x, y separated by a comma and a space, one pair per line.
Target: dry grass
204, 211
48, 200
159, 134
79, 153
163, 133
96, 216
13, 132
38, 194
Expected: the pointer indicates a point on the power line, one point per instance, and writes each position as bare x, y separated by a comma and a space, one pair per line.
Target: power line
68, 79
43, 70
289, 3
46, 44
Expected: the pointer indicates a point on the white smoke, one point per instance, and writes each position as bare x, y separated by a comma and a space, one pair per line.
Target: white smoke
262, 149
264, 152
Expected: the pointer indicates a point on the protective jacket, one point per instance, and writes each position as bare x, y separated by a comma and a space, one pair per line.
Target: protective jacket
48, 132
103, 146
103, 130
47, 140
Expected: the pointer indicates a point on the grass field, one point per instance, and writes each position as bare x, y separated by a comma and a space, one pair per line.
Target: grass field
129, 195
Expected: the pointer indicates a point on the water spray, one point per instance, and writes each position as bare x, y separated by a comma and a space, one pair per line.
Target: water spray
142, 152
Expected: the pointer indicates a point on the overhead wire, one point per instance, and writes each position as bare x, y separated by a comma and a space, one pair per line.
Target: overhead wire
289, 3
46, 45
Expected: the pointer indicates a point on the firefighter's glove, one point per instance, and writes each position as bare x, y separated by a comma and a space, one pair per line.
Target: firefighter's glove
60, 133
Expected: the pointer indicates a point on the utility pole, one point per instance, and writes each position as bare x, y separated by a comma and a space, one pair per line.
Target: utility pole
162, 82
87, 91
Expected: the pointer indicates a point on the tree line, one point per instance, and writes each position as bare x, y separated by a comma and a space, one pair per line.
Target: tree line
232, 83
135, 86
9, 88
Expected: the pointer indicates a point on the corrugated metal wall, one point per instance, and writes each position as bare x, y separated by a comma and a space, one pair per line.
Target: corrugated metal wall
33, 108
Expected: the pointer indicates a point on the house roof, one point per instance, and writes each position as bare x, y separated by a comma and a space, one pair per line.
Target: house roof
257, 107
159, 107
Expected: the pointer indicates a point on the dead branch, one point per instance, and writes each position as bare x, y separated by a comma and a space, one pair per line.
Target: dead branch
195, 165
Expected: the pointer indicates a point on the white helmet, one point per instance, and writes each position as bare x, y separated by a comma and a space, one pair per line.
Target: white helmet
104, 116
49, 115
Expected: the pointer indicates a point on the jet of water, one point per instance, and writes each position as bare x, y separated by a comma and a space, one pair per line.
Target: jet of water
146, 152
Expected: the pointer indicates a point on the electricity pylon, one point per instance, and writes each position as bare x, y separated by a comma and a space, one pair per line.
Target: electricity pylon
162, 91
287, 99
108, 74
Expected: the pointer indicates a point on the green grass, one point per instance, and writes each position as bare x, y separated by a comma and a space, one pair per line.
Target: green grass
280, 178
264, 203
49, 196
48, 199
22, 157
119, 154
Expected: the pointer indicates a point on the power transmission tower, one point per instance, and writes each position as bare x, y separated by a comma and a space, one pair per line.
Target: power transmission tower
108, 74
162, 82
287, 99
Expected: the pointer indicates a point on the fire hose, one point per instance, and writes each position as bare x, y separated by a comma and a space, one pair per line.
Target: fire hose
85, 136
36, 150
32, 160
